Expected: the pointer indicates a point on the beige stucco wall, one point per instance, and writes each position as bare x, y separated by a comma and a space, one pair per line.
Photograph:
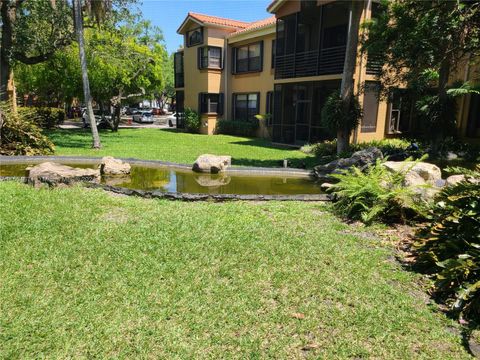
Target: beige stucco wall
258, 82
203, 80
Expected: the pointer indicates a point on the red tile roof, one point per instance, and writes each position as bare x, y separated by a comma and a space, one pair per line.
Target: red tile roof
257, 25
218, 20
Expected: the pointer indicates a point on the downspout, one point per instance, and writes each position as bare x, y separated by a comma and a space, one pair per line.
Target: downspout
226, 97
464, 100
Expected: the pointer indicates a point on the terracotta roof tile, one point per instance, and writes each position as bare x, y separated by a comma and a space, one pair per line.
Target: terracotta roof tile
218, 20
257, 25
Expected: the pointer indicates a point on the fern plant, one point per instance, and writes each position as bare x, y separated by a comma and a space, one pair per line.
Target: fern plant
449, 247
376, 195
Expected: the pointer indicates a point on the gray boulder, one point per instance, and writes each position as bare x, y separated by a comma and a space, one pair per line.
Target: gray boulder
208, 163
54, 174
361, 159
112, 166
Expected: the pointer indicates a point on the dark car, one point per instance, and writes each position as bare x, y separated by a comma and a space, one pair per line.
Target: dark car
102, 119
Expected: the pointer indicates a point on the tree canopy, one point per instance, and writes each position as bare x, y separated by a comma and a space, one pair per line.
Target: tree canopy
424, 44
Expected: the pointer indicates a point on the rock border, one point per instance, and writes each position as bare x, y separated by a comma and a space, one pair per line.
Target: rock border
234, 170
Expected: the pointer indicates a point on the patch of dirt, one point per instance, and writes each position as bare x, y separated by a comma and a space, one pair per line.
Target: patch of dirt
119, 216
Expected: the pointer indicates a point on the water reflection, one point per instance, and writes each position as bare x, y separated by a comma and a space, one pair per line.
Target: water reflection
170, 180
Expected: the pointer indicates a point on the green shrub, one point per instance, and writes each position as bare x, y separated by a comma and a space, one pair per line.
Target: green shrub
375, 195
329, 148
335, 117
193, 122
449, 247
238, 128
387, 146
45, 117
19, 135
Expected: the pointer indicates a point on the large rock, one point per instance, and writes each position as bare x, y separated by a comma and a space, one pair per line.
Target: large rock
55, 174
425, 179
360, 159
211, 163
454, 180
112, 166
428, 172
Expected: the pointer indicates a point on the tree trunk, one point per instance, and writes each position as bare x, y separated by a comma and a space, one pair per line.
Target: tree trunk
8, 12
346, 88
77, 12
439, 132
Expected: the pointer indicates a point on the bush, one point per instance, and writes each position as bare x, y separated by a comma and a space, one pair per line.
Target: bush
375, 195
387, 146
45, 117
19, 135
193, 122
335, 117
329, 148
238, 128
449, 247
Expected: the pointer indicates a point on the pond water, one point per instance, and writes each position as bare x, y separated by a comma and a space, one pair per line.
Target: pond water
185, 181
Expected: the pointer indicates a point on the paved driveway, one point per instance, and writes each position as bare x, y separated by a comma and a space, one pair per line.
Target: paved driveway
160, 122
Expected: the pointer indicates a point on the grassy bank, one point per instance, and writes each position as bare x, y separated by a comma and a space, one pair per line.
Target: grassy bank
86, 274
170, 145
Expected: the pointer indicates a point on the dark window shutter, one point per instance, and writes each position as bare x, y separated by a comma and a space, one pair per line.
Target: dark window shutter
220, 104
261, 55
234, 60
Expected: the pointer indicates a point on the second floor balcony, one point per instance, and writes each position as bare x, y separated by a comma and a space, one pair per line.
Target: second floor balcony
310, 63
312, 41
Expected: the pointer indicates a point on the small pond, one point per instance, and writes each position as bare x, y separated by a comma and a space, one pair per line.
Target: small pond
175, 180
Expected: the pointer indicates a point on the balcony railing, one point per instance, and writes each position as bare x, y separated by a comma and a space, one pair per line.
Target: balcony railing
310, 63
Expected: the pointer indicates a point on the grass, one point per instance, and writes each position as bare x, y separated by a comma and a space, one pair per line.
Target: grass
87, 274
170, 145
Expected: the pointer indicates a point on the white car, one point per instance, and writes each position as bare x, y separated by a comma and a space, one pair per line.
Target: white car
143, 116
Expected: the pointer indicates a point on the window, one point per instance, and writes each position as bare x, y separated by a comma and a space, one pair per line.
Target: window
209, 57
273, 53
195, 37
178, 65
248, 58
269, 108
245, 106
210, 103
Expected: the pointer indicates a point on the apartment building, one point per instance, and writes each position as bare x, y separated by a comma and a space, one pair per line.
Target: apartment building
286, 66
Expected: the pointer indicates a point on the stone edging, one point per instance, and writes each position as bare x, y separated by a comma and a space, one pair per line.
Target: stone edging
208, 197
233, 170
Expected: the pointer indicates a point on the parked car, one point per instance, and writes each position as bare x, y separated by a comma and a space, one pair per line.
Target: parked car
130, 110
103, 120
143, 116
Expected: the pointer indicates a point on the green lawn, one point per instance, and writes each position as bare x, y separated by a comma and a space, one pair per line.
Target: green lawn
170, 145
84, 274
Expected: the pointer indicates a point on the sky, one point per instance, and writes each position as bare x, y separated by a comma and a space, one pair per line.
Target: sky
169, 14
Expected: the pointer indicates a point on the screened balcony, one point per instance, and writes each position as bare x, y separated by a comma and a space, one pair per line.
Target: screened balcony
313, 41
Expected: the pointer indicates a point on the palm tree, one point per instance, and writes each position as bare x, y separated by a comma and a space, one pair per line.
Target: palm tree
346, 88
78, 17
